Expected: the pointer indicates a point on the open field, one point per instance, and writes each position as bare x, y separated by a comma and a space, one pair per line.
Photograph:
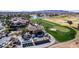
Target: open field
62, 33
63, 20
70, 44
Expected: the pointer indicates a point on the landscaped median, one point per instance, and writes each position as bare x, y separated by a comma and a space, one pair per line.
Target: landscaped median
61, 33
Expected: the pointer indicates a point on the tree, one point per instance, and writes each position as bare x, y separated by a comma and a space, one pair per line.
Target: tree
78, 26
23, 31
28, 17
8, 17
69, 22
39, 15
7, 22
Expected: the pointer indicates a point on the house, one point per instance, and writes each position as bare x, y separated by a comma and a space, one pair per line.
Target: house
18, 21
2, 34
34, 28
13, 42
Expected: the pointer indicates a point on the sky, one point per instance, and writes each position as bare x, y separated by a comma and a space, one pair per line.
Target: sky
34, 5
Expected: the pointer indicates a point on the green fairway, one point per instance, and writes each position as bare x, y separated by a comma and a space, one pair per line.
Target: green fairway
61, 34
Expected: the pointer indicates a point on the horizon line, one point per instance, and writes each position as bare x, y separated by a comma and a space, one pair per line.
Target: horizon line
34, 10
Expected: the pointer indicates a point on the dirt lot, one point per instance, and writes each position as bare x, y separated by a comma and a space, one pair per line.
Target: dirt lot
63, 21
70, 44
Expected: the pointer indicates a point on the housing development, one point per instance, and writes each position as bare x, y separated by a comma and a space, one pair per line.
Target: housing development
39, 29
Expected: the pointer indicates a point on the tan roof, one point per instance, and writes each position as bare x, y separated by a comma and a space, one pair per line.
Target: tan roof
19, 19
34, 27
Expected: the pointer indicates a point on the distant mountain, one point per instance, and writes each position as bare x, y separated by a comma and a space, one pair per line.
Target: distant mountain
36, 12
51, 11
76, 11
45, 11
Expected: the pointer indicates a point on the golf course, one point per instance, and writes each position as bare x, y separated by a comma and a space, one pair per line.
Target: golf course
61, 33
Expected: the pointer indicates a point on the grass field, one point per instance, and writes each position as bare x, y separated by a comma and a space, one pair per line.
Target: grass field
62, 33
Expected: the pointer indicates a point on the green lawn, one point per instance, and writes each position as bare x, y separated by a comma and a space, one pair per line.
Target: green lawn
61, 34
